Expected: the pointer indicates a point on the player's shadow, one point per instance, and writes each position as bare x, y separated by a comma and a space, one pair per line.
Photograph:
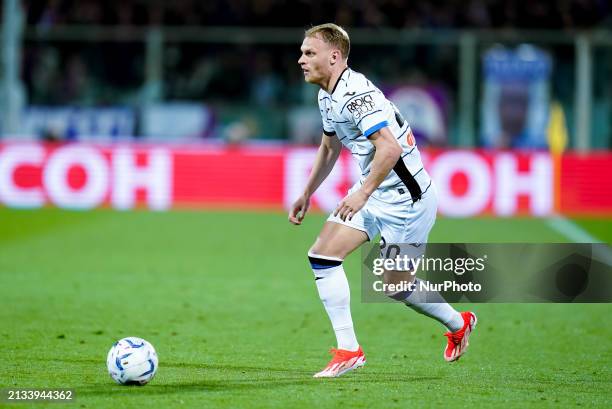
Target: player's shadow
263, 378
373, 376
224, 385
241, 368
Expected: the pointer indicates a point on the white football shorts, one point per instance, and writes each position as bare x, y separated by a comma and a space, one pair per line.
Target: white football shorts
394, 215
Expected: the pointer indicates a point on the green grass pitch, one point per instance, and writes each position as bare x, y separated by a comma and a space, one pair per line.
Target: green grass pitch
228, 300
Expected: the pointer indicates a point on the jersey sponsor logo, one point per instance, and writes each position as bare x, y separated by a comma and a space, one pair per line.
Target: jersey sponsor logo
359, 106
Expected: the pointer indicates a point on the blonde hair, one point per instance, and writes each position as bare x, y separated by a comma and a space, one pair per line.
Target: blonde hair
332, 34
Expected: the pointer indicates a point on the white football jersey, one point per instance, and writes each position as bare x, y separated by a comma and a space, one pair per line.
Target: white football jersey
353, 111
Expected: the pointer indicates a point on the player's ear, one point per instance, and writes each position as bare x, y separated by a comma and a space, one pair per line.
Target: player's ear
334, 57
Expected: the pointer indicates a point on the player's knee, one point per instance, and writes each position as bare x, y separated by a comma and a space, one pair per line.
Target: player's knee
327, 249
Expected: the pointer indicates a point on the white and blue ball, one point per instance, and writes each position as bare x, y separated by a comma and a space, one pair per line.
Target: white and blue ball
132, 361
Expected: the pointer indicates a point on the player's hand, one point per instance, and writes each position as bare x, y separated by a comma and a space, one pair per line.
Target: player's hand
299, 209
351, 204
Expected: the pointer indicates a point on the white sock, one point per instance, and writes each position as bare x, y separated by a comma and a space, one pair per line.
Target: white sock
431, 304
335, 294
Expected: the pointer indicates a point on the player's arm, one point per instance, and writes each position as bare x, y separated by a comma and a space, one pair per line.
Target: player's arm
326, 158
387, 153
328, 153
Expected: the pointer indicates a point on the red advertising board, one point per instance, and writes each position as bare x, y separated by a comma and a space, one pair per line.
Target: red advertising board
586, 183
160, 177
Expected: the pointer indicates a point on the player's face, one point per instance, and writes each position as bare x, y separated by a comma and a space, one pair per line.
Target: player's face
315, 60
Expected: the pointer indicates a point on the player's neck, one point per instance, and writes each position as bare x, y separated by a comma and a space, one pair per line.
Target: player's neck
334, 78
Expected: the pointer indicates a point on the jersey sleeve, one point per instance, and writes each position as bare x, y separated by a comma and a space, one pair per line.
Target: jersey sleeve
328, 129
366, 110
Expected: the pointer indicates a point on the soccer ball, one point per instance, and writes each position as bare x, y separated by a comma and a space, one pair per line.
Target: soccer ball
132, 361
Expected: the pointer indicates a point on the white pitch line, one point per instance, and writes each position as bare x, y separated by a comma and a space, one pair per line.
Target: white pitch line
577, 234
571, 230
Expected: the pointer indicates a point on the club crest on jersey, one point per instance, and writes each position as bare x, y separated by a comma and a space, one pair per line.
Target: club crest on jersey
360, 106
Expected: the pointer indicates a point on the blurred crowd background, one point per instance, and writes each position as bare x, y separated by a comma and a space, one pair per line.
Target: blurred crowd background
438, 14
493, 73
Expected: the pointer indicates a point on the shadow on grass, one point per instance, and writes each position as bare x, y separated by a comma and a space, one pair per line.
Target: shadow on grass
235, 385
179, 365
240, 378
243, 369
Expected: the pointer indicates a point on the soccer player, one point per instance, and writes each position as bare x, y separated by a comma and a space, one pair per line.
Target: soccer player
394, 196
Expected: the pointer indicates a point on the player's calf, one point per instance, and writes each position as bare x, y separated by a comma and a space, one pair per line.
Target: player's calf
420, 298
397, 284
335, 295
334, 292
